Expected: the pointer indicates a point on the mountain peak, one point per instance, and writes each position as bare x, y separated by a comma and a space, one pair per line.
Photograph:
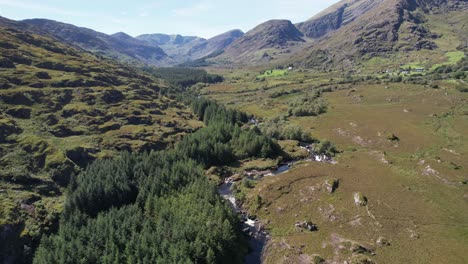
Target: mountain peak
122, 35
275, 34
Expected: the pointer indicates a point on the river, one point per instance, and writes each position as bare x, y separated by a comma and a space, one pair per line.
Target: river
253, 227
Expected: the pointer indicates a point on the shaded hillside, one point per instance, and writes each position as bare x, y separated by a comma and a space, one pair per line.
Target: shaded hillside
215, 44
183, 48
265, 40
60, 109
119, 46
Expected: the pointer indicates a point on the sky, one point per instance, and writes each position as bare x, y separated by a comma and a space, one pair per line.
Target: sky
204, 18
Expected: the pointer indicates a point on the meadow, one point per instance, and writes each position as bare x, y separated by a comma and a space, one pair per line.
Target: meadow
402, 146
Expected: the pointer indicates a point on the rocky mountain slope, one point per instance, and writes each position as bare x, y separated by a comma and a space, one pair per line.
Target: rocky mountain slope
352, 31
60, 109
119, 46
347, 34
176, 46
274, 36
215, 44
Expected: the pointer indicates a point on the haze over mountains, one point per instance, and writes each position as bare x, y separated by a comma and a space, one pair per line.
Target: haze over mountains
186, 48
341, 33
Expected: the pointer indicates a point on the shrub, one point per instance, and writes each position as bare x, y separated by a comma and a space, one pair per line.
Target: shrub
462, 89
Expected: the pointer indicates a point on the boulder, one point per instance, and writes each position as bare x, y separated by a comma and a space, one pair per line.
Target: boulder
381, 241
360, 199
307, 225
392, 137
360, 249
316, 259
331, 185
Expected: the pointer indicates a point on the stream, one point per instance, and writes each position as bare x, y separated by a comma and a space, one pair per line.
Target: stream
253, 227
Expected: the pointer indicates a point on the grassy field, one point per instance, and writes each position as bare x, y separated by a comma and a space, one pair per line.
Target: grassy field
273, 73
453, 58
403, 147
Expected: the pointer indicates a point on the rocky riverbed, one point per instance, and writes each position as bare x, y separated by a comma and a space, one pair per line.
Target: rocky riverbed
251, 226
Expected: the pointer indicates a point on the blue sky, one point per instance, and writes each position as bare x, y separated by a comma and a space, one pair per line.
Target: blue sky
205, 18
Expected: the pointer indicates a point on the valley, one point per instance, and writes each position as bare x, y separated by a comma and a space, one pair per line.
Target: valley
410, 182
339, 139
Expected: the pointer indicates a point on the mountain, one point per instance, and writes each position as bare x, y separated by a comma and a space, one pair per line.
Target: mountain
120, 46
61, 108
164, 39
176, 46
215, 44
355, 29
189, 48
259, 44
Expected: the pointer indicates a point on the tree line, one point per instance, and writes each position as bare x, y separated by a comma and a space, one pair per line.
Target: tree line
183, 77
159, 207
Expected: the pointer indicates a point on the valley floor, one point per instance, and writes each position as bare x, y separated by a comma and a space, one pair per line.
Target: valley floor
403, 152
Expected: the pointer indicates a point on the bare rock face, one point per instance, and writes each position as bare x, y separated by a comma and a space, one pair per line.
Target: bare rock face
316, 28
372, 28
278, 36
215, 45
268, 35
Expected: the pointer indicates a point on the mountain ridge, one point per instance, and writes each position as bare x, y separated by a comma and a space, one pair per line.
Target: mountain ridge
117, 47
345, 32
189, 48
276, 33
